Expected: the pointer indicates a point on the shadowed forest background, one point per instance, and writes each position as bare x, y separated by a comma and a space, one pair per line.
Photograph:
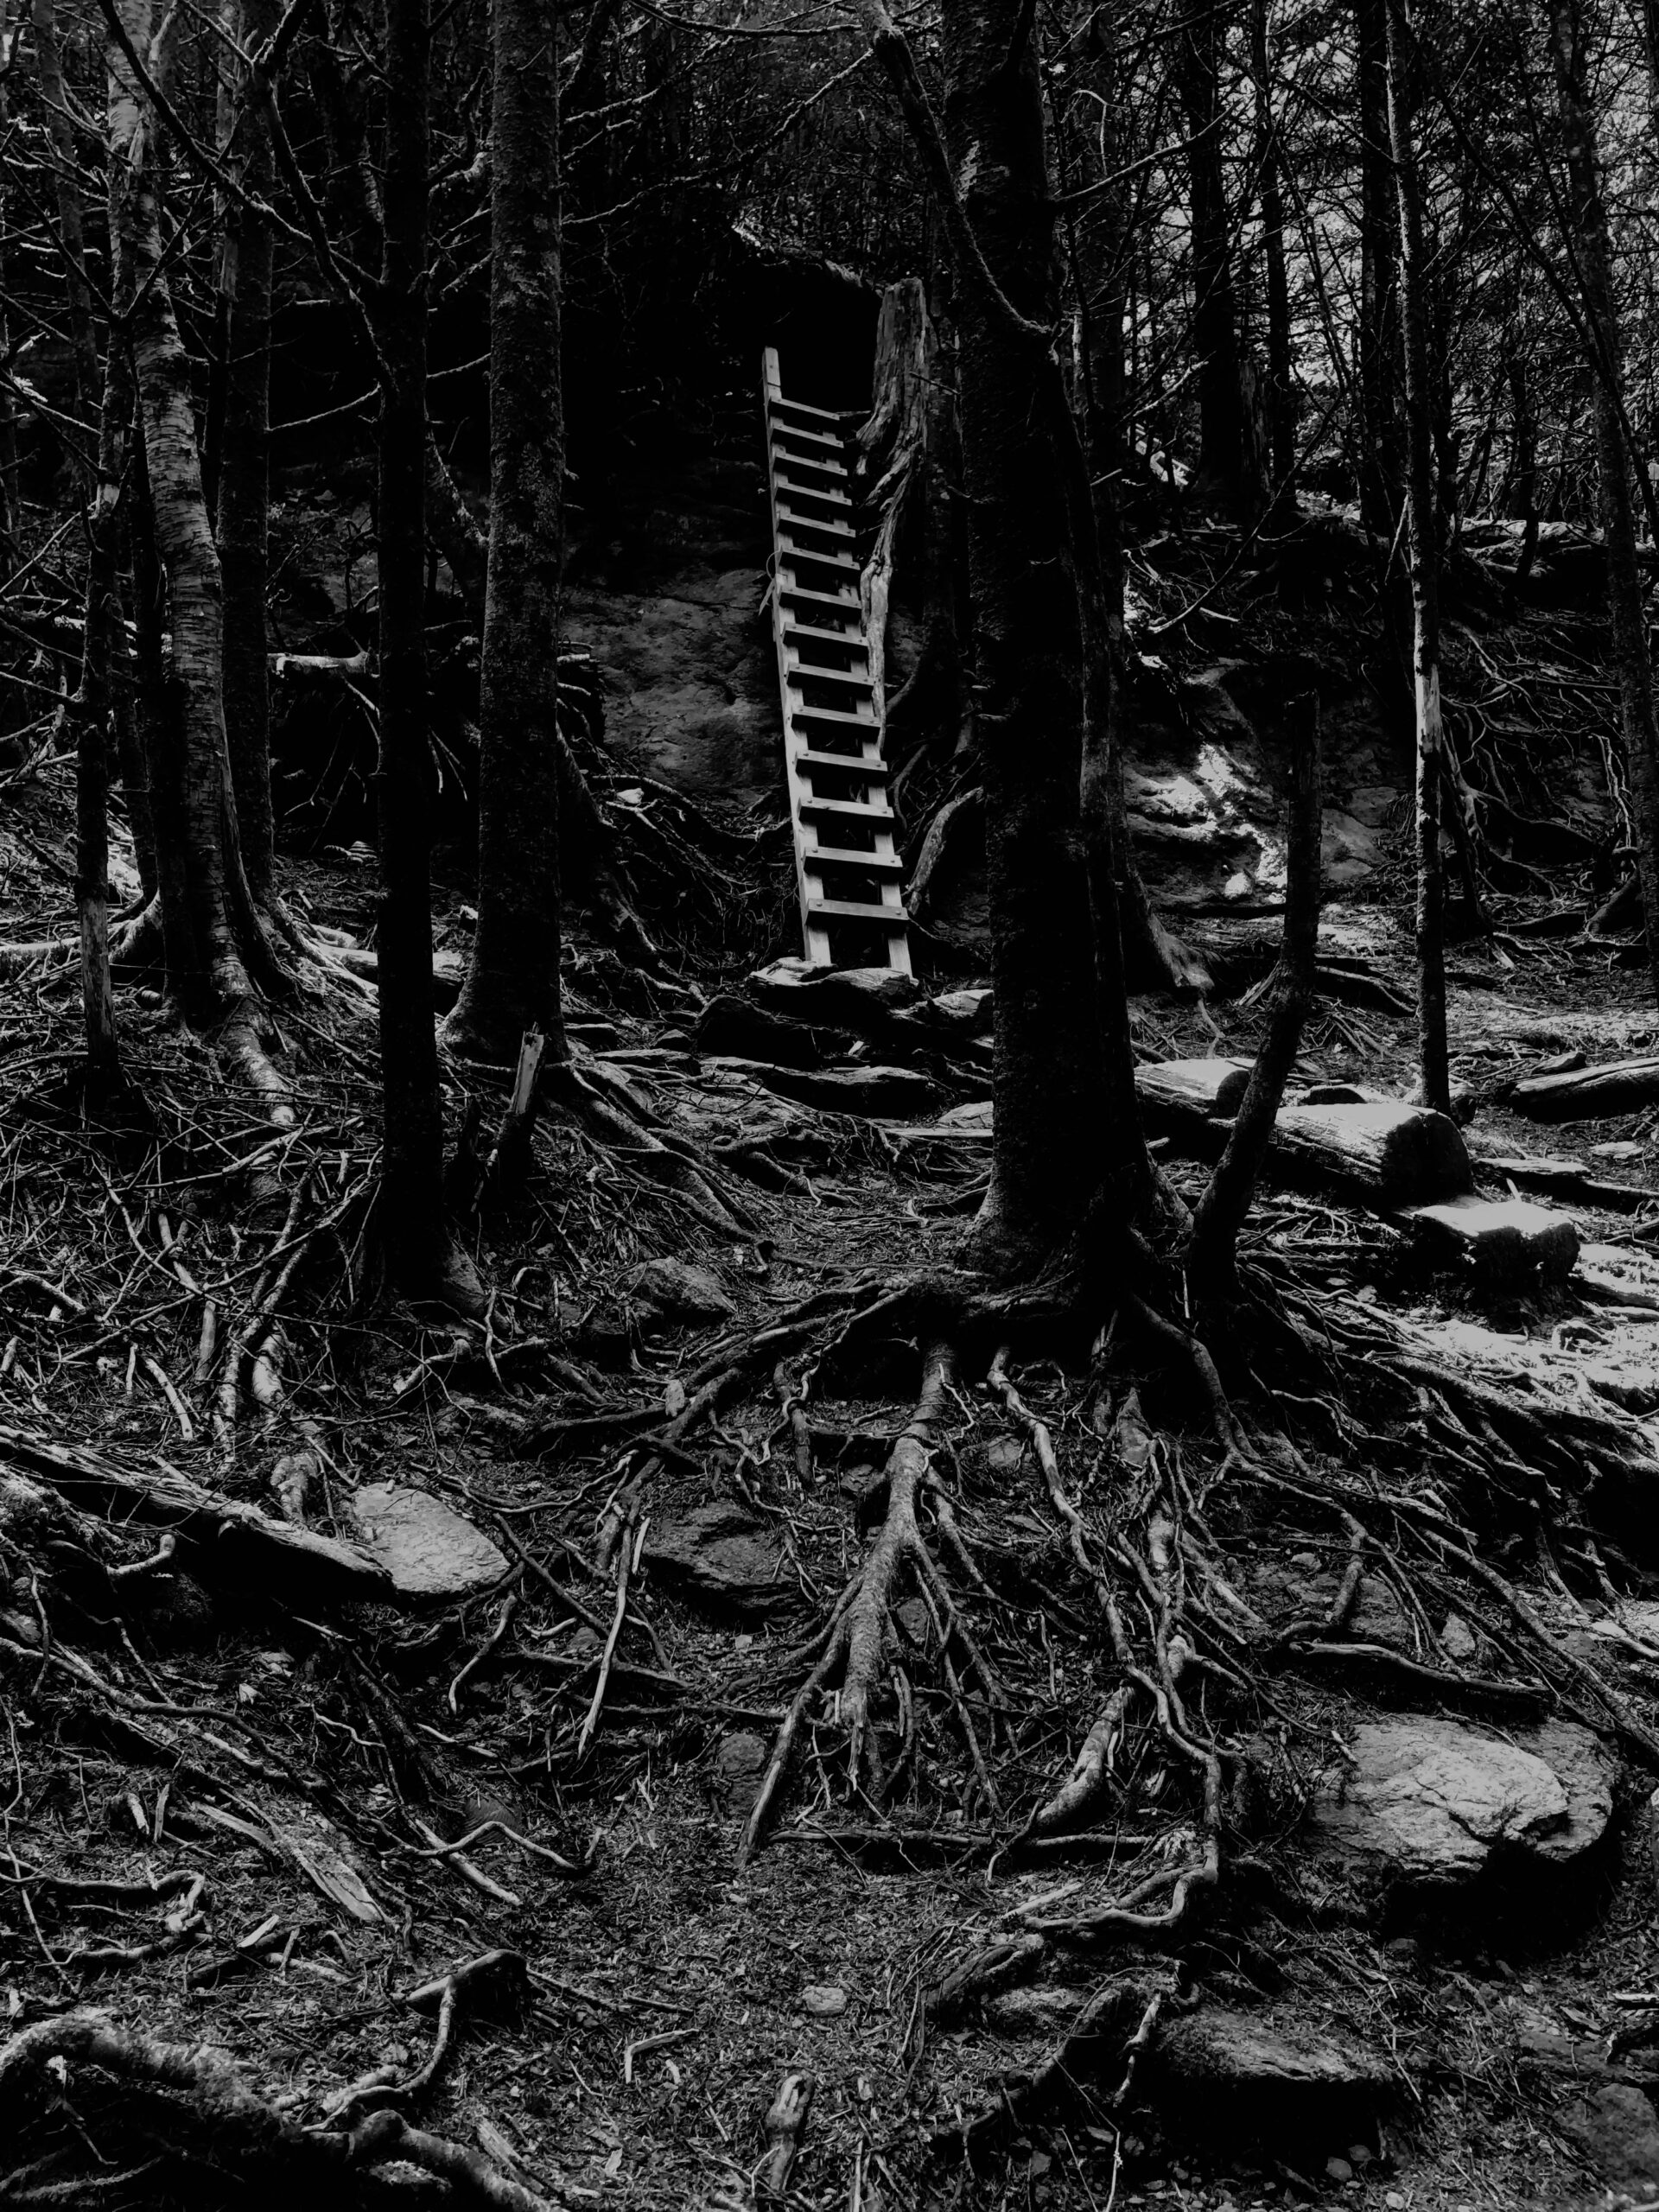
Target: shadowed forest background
829, 1077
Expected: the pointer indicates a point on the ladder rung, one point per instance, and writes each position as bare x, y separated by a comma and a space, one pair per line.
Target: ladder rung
845, 564
781, 430
795, 475
836, 856
852, 640
789, 592
799, 675
870, 770
833, 719
847, 810
825, 528
822, 413
852, 910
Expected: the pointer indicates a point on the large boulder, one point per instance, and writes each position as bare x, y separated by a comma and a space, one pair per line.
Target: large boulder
722, 1555
1427, 1803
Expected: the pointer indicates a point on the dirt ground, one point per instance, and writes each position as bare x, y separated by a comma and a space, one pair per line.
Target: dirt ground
262, 1743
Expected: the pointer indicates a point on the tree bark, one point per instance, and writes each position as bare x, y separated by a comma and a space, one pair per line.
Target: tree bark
1045, 1164
513, 979
210, 928
1381, 470
71, 241
1422, 527
1281, 394
103, 648
420, 1253
8, 511
1212, 1251
1221, 455
244, 480
1625, 591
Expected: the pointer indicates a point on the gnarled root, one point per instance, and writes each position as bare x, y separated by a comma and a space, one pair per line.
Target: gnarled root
192, 2102
855, 1643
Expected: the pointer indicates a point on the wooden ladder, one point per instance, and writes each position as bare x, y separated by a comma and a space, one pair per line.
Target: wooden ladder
846, 868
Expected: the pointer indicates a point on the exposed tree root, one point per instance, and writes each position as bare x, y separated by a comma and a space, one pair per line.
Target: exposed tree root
195, 2106
855, 1644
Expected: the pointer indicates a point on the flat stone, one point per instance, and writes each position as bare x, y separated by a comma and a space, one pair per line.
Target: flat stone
1504, 1237
1257, 2075
722, 1554
1428, 1800
680, 1292
827, 2000
429, 1550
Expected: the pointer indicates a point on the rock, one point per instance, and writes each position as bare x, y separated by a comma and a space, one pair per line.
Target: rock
1503, 1239
740, 1762
1267, 2074
1429, 1802
732, 1026
866, 1090
825, 2000
720, 1554
857, 996
680, 1292
430, 1553
1339, 2170
966, 1010
1618, 2133
1458, 1641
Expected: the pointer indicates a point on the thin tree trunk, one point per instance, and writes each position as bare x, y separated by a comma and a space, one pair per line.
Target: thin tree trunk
245, 480
1382, 473
1282, 396
513, 979
204, 893
70, 240
1625, 592
1422, 527
420, 1250
103, 649
1212, 1251
1222, 459
9, 516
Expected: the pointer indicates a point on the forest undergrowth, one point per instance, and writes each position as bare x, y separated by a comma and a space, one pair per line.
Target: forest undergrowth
899, 1706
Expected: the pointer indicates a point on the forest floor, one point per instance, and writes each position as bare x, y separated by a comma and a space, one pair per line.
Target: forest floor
265, 1743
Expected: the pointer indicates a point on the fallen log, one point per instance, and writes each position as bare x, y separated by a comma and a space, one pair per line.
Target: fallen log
1175, 1094
1385, 1152
1565, 1178
275, 1555
1589, 1094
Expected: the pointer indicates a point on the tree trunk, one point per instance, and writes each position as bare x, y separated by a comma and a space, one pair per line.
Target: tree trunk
1047, 1056
420, 1253
1422, 526
1212, 1252
513, 979
8, 511
1625, 591
103, 648
210, 928
1221, 457
1382, 473
1281, 394
243, 478
70, 240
